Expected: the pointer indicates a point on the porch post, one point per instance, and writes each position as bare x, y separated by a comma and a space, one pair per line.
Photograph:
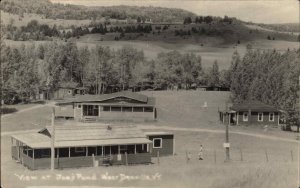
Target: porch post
237, 118
69, 152
134, 148
86, 151
18, 149
118, 149
33, 158
102, 151
99, 110
249, 116
109, 150
174, 145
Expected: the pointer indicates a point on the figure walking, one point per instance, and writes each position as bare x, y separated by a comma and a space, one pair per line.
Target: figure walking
200, 154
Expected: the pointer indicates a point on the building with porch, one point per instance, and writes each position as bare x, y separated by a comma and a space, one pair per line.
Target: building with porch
82, 146
115, 106
251, 112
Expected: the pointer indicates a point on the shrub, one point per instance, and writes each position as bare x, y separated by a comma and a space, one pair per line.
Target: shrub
6, 110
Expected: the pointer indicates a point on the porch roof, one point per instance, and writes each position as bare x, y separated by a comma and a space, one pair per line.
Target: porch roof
77, 136
158, 133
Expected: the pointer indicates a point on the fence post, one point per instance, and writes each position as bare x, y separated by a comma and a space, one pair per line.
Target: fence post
187, 158
158, 157
241, 152
267, 157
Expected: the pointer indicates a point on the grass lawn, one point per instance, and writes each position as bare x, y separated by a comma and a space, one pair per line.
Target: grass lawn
33, 119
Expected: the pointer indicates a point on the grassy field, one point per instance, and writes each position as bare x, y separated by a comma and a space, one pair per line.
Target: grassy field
248, 168
18, 21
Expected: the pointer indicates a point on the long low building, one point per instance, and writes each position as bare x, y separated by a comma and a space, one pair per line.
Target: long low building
115, 106
251, 112
89, 145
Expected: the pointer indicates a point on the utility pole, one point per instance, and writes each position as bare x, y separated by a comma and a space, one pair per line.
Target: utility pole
52, 138
227, 144
298, 133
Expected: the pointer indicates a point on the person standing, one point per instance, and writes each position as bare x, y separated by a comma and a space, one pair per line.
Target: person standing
200, 154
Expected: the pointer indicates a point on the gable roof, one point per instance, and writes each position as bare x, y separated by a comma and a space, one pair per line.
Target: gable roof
84, 135
253, 106
101, 98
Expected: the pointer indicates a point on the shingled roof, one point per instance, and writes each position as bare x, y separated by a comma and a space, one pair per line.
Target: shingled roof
253, 106
101, 98
84, 135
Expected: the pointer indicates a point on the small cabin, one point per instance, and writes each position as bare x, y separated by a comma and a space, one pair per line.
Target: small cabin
251, 112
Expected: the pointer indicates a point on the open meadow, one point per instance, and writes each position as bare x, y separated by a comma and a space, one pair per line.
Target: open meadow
27, 17
257, 159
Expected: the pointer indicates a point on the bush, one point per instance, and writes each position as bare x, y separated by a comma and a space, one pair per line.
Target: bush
6, 110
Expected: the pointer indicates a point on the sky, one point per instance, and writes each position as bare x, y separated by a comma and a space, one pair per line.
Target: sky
259, 11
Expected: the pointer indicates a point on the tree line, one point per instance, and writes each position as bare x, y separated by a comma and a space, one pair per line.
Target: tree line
30, 69
268, 76
208, 19
36, 31
77, 12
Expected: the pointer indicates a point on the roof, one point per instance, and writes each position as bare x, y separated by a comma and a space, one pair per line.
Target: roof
84, 135
71, 85
158, 133
253, 106
101, 98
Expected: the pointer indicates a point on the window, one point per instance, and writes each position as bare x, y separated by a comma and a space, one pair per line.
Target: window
148, 109
245, 116
271, 116
116, 109
79, 149
157, 143
123, 149
90, 110
127, 109
99, 150
106, 108
78, 105
137, 109
260, 117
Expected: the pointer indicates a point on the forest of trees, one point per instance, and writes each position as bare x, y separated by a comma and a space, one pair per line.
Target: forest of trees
268, 76
76, 12
27, 69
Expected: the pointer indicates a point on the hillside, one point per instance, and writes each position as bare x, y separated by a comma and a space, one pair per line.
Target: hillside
287, 27
76, 12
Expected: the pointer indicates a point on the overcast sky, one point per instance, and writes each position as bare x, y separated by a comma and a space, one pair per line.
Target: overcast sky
259, 11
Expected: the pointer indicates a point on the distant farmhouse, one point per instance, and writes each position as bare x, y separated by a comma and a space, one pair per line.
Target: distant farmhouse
251, 112
90, 145
63, 91
115, 106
